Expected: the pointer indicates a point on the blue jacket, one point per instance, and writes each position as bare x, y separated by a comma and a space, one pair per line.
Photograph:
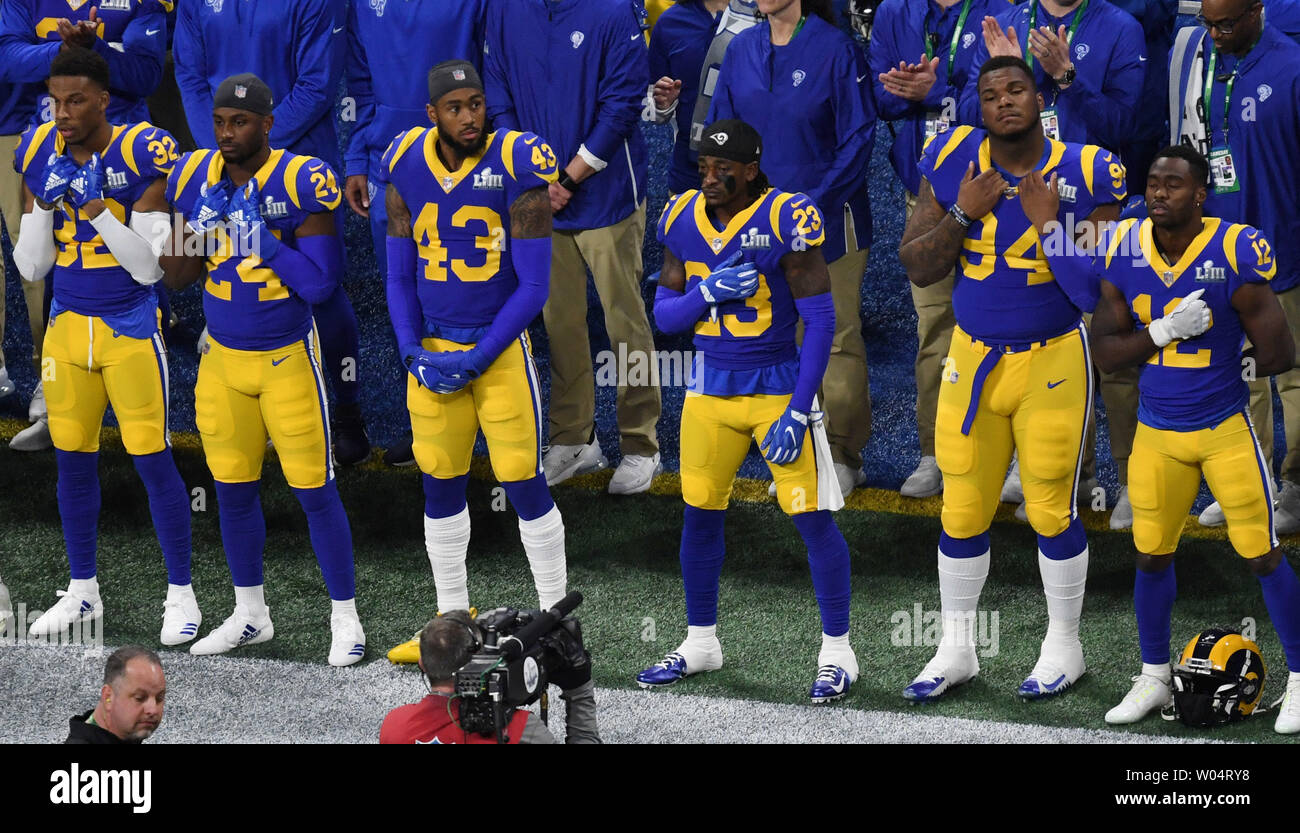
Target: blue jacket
295, 46
29, 40
811, 102
1156, 17
898, 34
575, 72
678, 45
1285, 15
1264, 137
1109, 55
397, 42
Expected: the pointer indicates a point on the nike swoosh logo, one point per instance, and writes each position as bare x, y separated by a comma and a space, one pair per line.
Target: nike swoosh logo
860, 77
340, 29
276, 362
316, 167
634, 37
1142, 60
152, 31
1051, 385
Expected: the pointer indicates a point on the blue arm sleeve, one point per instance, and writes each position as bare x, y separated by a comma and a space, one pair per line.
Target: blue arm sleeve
403, 303
855, 126
311, 267
622, 88
496, 81
137, 70
531, 257
1076, 272
818, 314
677, 312
356, 160
192, 74
318, 68
23, 60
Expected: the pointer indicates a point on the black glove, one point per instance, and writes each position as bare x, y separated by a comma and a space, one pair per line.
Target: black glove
564, 644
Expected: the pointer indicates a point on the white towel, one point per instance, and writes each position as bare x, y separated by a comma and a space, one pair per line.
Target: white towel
1186, 120
828, 485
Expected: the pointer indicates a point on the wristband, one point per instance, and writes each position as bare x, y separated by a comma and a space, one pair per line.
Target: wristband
960, 216
567, 182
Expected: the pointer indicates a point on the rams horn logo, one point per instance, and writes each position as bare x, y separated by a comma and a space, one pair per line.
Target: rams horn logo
720, 138
215, 4
967, 39
798, 76
576, 38
378, 6
1080, 52
1264, 91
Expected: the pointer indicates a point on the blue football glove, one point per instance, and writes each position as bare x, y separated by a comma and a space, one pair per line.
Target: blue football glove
784, 440
469, 364
209, 208
422, 364
50, 183
88, 184
244, 211
730, 281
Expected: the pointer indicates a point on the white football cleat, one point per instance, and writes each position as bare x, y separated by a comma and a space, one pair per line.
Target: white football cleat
181, 616
347, 640
33, 437
1121, 517
926, 481
1011, 491
1056, 670
69, 610
949, 668
6, 609
7, 387
635, 474
1286, 519
560, 462
1288, 715
850, 478
1147, 694
1212, 515
238, 630
36, 408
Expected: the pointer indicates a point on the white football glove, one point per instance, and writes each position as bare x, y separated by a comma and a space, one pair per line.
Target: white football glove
1188, 320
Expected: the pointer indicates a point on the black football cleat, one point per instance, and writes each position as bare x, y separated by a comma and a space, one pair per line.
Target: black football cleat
351, 445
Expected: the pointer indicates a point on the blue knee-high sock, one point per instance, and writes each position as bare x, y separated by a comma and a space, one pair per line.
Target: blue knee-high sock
1282, 597
444, 497
78, 492
170, 506
243, 531
1153, 601
971, 547
1067, 544
828, 557
340, 341
531, 498
703, 548
331, 538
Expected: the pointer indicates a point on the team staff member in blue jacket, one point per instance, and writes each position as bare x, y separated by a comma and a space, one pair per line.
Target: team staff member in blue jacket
920, 61
803, 85
1238, 92
592, 121
297, 48
678, 44
1156, 17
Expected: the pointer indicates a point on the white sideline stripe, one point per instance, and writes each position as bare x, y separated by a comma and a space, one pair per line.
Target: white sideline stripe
228, 699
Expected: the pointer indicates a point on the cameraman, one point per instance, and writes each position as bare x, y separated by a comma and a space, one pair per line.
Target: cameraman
446, 644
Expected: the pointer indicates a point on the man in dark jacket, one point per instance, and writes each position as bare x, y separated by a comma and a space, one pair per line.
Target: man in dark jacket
130, 703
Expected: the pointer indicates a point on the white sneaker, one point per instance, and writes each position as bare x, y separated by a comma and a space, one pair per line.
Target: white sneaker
1056, 670
240, 629
926, 481
36, 408
560, 462
635, 474
347, 641
1011, 491
1121, 517
1286, 519
950, 667
181, 616
6, 609
70, 609
33, 438
1288, 715
850, 478
1212, 515
1147, 694
1021, 513
771, 489
7, 387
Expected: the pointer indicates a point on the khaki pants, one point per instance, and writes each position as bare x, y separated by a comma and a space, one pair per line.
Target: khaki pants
11, 208
1288, 389
934, 323
1119, 393
845, 392
613, 254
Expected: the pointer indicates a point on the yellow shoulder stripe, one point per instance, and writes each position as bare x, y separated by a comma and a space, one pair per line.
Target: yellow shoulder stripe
774, 217
128, 145
291, 178
677, 208
38, 139
508, 151
408, 139
1122, 231
192, 164
1087, 160
958, 136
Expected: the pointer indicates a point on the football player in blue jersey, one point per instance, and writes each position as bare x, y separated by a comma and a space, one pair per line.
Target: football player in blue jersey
1180, 294
96, 214
469, 254
742, 266
259, 227
1018, 373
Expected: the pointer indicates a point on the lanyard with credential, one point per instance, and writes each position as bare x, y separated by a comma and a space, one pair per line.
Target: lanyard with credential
956, 38
1069, 35
1227, 95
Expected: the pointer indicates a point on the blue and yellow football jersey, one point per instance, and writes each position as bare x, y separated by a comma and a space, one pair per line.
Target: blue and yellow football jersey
1196, 383
247, 306
758, 332
459, 221
88, 279
1004, 289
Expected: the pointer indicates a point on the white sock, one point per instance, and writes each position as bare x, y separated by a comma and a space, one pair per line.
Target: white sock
1163, 672
543, 540
960, 582
836, 650
86, 588
447, 542
347, 607
1063, 584
701, 648
252, 599
174, 590
1293, 677
702, 635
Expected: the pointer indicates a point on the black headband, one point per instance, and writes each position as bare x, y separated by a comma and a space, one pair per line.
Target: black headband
452, 75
